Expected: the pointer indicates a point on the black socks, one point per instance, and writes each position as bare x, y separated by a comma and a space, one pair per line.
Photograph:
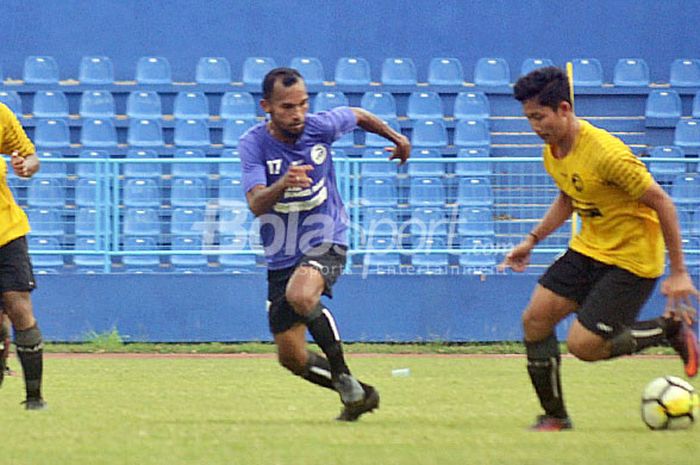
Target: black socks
322, 327
30, 352
543, 360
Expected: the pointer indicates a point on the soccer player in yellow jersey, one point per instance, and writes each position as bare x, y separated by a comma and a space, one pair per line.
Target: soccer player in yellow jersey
612, 264
16, 277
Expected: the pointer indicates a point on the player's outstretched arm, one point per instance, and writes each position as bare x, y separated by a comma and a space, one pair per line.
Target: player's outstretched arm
261, 199
678, 287
372, 123
519, 256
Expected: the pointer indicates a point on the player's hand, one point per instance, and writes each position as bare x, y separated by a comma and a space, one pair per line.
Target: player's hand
296, 177
518, 258
402, 150
679, 291
24, 167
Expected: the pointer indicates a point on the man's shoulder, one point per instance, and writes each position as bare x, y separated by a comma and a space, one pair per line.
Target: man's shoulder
254, 136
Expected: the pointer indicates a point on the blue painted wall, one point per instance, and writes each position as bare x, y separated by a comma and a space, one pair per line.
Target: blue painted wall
184, 30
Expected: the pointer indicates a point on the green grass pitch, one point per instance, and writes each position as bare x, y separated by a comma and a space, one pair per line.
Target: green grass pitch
450, 410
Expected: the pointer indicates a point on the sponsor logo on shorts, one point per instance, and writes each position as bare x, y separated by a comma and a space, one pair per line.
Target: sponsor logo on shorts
603, 327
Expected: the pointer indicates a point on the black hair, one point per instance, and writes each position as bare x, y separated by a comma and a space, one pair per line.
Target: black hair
289, 77
549, 85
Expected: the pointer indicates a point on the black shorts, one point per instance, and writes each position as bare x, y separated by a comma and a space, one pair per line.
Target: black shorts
328, 259
15, 267
609, 297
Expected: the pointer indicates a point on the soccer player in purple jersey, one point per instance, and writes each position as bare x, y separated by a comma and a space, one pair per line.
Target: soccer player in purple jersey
290, 185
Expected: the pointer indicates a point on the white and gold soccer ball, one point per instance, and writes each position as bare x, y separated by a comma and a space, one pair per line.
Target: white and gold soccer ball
670, 403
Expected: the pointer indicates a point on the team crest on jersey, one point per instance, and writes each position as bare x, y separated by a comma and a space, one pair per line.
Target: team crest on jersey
577, 182
319, 153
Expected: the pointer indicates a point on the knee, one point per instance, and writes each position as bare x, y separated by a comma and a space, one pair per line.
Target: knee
302, 302
292, 362
535, 326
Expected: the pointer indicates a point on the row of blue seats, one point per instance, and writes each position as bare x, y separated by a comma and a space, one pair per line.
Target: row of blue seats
663, 106
488, 71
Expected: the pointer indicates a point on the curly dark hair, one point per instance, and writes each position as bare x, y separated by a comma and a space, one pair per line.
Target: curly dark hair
549, 85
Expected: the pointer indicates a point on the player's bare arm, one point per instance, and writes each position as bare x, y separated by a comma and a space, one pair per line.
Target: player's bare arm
371, 123
261, 199
678, 287
25, 166
519, 256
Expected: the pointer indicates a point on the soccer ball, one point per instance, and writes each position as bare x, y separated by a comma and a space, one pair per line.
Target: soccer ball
670, 403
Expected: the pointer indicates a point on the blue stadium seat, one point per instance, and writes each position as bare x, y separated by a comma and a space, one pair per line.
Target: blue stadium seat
472, 105
473, 168
141, 222
631, 72
429, 133
12, 100
481, 255
476, 221
145, 133
531, 64
237, 105
378, 192
233, 169
238, 263
473, 133
49, 169
587, 72
51, 134
666, 172
443, 71
375, 140
353, 71
86, 192
346, 140
98, 133
153, 70
255, 69
427, 192
46, 192
141, 192
90, 170
685, 72
429, 221
689, 222
234, 129
235, 220
196, 170
41, 261
189, 263
474, 192
424, 105
192, 133
46, 222
97, 104
692, 261
96, 70
50, 104
213, 70
231, 193
188, 192
491, 72
88, 263
141, 262
696, 106
144, 104
381, 104
380, 221
431, 262
188, 222
663, 108
381, 258
686, 191
191, 105
40, 70
142, 170
86, 223
429, 168
328, 100
309, 67
385, 168
687, 136
399, 72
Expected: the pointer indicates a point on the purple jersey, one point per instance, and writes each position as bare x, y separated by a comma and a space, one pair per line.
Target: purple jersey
302, 218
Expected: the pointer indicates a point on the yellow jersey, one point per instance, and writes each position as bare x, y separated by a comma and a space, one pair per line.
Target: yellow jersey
13, 220
605, 180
